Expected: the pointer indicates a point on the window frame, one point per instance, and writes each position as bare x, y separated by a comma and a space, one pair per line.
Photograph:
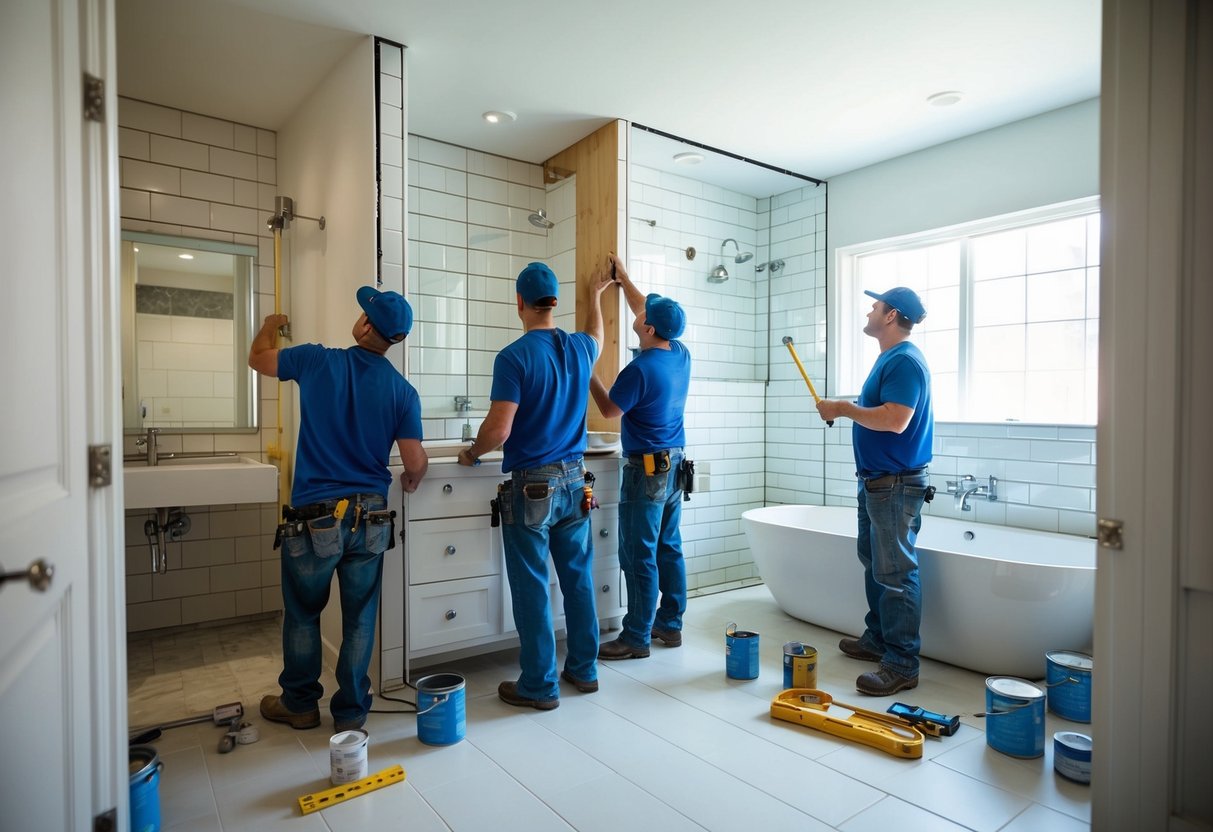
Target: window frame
848, 306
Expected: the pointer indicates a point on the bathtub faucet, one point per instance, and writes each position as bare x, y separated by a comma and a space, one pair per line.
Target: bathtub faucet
967, 486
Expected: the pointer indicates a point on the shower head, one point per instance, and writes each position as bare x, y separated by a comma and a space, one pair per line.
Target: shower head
539, 219
718, 275
741, 256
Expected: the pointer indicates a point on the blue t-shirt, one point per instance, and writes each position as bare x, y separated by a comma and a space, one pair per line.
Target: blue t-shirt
900, 375
652, 393
354, 405
546, 373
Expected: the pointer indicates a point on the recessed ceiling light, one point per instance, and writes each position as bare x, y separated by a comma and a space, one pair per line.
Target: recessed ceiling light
688, 158
186, 256
499, 116
946, 98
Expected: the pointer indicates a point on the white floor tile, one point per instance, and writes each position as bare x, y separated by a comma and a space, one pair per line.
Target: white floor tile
1040, 819
611, 803
892, 813
493, 800
956, 797
398, 806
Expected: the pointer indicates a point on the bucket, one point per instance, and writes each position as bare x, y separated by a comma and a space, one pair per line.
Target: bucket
347, 756
799, 665
441, 719
1072, 756
1015, 717
145, 768
740, 653
1068, 679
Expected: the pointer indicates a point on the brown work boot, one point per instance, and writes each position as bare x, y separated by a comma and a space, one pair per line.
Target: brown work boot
853, 648
884, 681
670, 638
620, 649
581, 685
508, 693
273, 710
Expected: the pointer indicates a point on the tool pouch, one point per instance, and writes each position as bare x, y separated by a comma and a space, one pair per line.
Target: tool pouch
380, 518
930, 495
684, 478
501, 504
290, 526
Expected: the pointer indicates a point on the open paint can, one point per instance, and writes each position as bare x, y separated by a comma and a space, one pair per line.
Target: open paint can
441, 709
1015, 717
1068, 678
799, 665
740, 653
145, 768
1072, 756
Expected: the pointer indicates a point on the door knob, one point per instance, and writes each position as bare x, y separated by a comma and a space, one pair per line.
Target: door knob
39, 574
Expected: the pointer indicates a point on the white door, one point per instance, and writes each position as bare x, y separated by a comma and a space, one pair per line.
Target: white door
50, 203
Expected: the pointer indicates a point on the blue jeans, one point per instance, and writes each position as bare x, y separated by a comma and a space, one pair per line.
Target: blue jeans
532, 526
889, 519
650, 550
308, 563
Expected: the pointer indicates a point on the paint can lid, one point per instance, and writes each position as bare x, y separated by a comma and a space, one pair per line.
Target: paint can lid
1070, 659
793, 648
1073, 740
1011, 686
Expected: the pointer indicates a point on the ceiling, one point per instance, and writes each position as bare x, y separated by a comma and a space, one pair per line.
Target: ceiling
818, 87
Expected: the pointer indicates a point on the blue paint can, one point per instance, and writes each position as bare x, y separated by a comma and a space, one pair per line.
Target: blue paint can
740, 653
441, 709
145, 768
1068, 679
1072, 756
1015, 717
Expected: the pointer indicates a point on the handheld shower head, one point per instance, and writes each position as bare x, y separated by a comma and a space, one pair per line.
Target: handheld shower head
539, 219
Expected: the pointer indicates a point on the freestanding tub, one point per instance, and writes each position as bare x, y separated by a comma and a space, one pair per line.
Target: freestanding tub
995, 599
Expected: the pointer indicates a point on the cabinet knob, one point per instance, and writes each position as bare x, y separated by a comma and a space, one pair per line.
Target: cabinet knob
603, 533
450, 614
450, 549
448, 488
606, 587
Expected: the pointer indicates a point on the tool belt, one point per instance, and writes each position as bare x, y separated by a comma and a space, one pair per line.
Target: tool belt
890, 480
537, 491
658, 462
296, 518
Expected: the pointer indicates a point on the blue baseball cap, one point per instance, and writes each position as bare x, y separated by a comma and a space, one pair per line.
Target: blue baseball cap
537, 282
388, 312
665, 316
904, 300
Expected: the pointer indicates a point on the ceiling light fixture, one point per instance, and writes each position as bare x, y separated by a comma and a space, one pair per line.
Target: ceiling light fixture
186, 256
499, 116
945, 99
688, 158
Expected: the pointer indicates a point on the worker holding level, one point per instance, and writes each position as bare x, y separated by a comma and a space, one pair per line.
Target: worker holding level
353, 405
650, 394
892, 435
539, 396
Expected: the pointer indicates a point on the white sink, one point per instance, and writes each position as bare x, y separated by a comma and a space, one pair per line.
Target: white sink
199, 482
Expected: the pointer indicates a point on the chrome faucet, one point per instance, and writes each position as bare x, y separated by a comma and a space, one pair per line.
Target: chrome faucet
463, 404
148, 443
967, 486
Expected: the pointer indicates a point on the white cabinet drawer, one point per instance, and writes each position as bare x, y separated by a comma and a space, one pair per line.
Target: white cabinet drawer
450, 490
454, 611
604, 526
459, 547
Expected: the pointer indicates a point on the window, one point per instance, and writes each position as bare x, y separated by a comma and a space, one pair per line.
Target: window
1012, 326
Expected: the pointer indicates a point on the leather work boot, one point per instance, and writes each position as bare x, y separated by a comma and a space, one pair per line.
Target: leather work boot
855, 650
670, 638
620, 649
580, 684
508, 693
884, 682
273, 710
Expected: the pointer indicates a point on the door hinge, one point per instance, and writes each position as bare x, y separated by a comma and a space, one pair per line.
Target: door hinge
100, 465
1110, 533
94, 98
106, 821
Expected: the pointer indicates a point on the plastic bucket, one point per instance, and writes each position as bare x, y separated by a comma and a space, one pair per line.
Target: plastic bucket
799, 665
1015, 717
1072, 756
740, 653
347, 756
1068, 678
145, 769
441, 716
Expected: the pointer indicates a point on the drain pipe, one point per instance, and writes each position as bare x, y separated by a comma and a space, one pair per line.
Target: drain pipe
169, 524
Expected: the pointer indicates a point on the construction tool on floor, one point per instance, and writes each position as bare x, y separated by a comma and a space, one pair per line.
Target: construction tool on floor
787, 342
316, 801
222, 715
929, 722
817, 709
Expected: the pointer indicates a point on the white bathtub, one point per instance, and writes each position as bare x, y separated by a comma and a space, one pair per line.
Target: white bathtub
995, 599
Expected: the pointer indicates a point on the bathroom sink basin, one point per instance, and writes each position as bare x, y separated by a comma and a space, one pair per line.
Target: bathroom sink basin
202, 481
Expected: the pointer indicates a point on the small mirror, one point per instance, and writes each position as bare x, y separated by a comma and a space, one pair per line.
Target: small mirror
187, 322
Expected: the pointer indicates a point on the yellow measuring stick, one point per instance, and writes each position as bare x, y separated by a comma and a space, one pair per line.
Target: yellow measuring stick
787, 342
339, 794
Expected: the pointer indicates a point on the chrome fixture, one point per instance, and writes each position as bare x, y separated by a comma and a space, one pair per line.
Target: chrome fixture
149, 443
773, 265
967, 486
284, 212
539, 219
741, 256
168, 524
719, 275
649, 223
463, 404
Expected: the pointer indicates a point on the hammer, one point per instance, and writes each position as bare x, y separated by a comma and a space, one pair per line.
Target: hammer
787, 342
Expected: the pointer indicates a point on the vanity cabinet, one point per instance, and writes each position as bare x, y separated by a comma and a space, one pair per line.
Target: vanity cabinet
451, 595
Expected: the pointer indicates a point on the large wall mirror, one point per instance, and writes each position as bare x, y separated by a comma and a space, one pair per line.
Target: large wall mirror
188, 318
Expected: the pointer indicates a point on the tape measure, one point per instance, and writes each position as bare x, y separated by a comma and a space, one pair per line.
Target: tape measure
316, 801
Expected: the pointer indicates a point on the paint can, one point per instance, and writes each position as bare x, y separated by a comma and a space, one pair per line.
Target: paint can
740, 653
799, 665
441, 713
1015, 717
1068, 679
1072, 756
347, 756
145, 768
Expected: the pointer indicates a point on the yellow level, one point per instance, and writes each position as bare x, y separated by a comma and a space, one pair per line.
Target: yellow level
339, 794
817, 709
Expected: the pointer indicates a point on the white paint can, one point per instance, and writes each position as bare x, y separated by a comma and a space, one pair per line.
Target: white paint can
347, 756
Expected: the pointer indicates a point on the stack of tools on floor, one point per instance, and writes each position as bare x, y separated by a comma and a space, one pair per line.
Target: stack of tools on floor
226, 716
